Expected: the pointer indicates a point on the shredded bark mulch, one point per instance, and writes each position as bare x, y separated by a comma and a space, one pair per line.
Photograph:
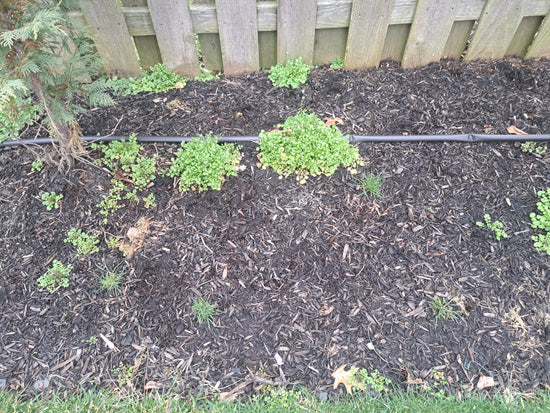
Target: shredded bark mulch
306, 277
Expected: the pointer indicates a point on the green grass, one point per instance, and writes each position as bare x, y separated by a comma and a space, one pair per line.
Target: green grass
274, 400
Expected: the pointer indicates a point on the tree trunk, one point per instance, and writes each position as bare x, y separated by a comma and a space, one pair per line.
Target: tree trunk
69, 144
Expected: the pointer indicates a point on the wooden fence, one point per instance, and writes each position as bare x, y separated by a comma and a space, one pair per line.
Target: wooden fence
241, 36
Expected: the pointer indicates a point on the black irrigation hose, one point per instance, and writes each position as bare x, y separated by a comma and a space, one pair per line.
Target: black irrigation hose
353, 138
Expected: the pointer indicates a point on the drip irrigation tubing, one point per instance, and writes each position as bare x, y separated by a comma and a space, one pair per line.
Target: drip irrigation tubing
352, 138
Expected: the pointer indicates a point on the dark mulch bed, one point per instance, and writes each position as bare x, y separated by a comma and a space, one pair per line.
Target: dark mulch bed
307, 277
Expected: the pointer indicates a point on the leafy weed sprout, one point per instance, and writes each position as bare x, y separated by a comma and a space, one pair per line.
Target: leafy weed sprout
57, 275
533, 147
203, 163
306, 146
290, 75
497, 227
157, 79
14, 120
84, 243
204, 311
541, 221
109, 278
444, 309
37, 165
370, 185
361, 379
337, 63
206, 76
51, 200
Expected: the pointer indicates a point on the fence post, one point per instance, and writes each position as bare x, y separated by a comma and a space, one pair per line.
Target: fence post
367, 32
238, 28
541, 44
296, 29
174, 30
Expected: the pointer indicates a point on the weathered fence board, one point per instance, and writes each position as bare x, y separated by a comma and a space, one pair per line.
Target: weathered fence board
367, 33
238, 36
541, 43
431, 27
146, 45
496, 29
111, 37
175, 37
296, 29
241, 36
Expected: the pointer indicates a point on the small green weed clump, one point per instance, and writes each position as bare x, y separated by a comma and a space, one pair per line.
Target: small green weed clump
362, 379
158, 79
370, 185
291, 75
122, 157
51, 200
337, 63
533, 147
206, 76
306, 146
84, 243
14, 120
496, 227
204, 311
109, 278
444, 309
202, 164
57, 275
542, 221
37, 165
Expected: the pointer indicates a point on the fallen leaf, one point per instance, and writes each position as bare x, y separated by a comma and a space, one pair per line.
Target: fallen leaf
512, 129
345, 377
485, 381
326, 311
152, 385
136, 236
332, 121
410, 379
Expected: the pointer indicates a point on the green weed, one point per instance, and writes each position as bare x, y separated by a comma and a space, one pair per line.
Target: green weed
306, 146
444, 309
51, 200
57, 275
84, 243
14, 119
370, 184
290, 75
37, 166
202, 164
337, 63
206, 76
204, 311
157, 79
496, 226
533, 147
109, 278
542, 221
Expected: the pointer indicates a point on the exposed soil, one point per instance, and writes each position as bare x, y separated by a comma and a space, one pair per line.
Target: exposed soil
306, 277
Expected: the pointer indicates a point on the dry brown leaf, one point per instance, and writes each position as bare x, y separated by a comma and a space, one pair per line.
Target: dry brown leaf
513, 130
485, 381
152, 385
345, 377
410, 379
332, 121
136, 236
326, 311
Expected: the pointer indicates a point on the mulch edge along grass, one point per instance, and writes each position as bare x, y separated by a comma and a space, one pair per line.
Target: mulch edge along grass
277, 401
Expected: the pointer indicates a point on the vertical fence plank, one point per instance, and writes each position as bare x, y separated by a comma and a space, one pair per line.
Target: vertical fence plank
524, 36
174, 31
237, 23
368, 28
296, 29
395, 42
111, 37
496, 29
541, 44
147, 47
432, 24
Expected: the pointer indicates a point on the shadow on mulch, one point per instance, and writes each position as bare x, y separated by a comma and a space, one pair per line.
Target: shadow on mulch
306, 277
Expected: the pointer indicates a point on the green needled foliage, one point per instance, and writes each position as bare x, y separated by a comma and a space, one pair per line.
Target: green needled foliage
46, 54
